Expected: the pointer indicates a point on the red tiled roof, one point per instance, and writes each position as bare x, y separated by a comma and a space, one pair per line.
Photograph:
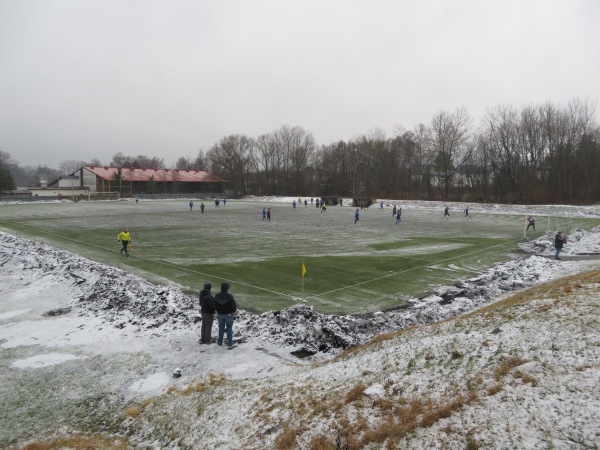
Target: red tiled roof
197, 176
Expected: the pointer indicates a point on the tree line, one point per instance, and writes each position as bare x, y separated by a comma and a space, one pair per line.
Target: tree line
542, 153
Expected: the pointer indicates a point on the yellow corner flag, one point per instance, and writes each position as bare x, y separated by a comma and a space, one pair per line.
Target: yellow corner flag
303, 269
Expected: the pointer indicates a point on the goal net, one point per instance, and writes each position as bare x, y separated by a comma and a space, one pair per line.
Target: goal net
552, 220
113, 195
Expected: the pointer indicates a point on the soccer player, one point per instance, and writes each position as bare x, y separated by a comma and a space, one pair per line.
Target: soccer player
356, 216
446, 213
125, 238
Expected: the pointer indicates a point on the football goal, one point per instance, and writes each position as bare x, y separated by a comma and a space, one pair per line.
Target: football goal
552, 219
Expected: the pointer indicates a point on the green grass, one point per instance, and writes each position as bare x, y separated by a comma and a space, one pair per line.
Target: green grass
369, 266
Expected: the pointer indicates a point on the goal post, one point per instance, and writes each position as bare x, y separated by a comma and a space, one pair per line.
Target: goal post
558, 221
108, 195
554, 219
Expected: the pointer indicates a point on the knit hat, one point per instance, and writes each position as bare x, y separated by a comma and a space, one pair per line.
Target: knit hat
207, 286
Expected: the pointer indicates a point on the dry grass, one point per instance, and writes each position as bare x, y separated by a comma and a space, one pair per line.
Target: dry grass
287, 439
322, 442
79, 443
494, 389
355, 393
526, 378
507, 365
133, 411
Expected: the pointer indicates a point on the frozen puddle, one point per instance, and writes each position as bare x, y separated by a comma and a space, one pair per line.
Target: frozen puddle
151, 383
49, 359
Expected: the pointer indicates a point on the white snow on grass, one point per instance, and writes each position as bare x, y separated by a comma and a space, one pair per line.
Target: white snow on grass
11, 314
45, 360
128, 336
155, 384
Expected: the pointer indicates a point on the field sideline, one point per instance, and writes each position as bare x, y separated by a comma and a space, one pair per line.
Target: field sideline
366, 267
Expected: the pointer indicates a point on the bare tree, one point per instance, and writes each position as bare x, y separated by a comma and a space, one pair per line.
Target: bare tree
449, 132
230, 158
71, 165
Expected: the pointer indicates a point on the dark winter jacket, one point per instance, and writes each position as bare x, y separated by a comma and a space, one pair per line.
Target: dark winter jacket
207, 302
560, 240
224, 302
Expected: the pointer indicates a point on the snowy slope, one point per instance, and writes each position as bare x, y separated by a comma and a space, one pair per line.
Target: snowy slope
119, 337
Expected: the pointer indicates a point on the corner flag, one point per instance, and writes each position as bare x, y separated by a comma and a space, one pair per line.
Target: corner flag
303, 269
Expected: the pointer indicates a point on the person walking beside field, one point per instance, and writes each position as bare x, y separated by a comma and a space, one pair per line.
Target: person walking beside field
207, 311
356, 216
446, 213
559, 240
125, 238
226, 309
531, 221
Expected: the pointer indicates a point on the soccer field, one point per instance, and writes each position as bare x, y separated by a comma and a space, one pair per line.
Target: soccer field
369, 266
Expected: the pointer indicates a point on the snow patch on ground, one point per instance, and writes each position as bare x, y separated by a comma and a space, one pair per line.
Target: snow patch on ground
46, 360
99, 316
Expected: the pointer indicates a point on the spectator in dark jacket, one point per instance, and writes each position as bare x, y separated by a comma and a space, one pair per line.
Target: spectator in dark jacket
226, 308
559, 240
207, 310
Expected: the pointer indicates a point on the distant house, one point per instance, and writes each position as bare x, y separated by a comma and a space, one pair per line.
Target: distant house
130, 181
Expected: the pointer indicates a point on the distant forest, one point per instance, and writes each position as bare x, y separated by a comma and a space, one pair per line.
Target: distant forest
539, 154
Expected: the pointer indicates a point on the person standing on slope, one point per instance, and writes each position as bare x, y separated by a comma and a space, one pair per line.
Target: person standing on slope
559, 240
226, 309
207, 311
125, 238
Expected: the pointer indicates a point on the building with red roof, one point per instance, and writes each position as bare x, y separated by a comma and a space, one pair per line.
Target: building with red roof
130, 181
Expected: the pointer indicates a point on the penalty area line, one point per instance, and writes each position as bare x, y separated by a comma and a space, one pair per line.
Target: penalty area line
393, 274
241, 283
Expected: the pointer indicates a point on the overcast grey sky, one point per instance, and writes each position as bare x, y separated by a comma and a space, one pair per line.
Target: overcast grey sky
87, 79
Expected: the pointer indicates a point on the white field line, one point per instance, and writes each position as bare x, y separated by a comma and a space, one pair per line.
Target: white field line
402, 271
163, 263
290, 296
